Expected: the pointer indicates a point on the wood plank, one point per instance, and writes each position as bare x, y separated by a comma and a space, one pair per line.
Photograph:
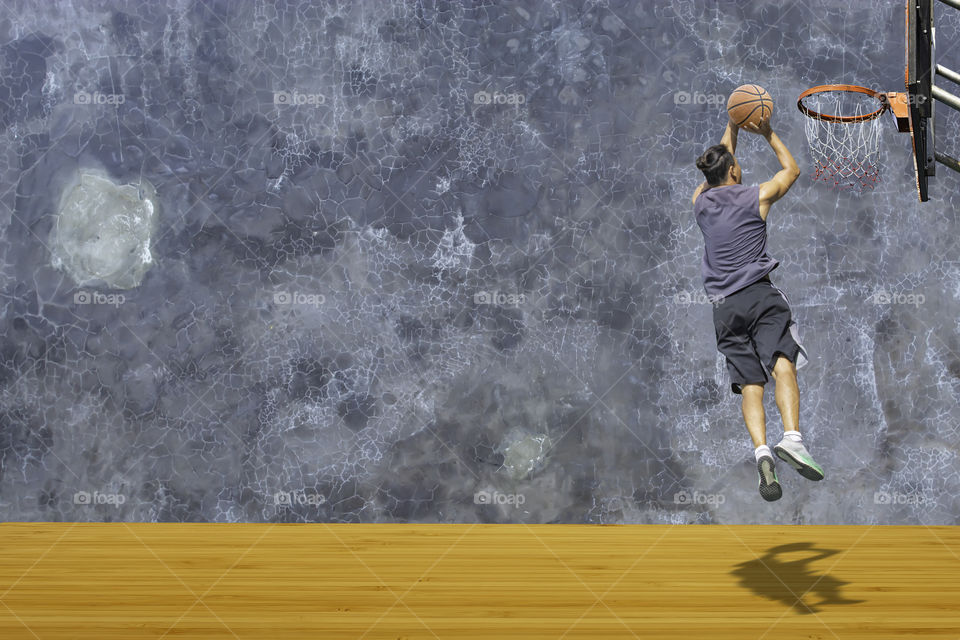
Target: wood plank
379, 581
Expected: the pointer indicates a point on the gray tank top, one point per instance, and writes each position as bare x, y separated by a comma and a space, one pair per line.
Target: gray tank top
734, 238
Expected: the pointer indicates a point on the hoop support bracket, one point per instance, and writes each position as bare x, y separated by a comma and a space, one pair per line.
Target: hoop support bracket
900, 108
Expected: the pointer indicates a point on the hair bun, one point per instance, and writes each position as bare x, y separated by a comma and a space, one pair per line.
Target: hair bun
715, 162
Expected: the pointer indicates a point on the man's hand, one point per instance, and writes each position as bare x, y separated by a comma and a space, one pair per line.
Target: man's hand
762, 129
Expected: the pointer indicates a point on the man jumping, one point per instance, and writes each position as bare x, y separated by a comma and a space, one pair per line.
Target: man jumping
752, 319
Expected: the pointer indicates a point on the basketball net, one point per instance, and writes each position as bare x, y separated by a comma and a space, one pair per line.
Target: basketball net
845, 149
845, 155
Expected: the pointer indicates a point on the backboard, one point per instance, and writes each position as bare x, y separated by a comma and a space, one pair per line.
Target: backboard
840, 132
919, 83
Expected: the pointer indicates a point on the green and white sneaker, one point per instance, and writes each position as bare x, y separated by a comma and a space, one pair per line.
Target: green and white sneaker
797, 456
769, 485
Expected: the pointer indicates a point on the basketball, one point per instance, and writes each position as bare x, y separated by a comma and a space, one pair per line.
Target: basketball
749, 103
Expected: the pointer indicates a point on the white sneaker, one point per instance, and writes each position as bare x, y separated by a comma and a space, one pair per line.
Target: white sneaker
797, 456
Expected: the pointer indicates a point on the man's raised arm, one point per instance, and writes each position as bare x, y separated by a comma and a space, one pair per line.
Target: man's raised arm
777, 187
729, 139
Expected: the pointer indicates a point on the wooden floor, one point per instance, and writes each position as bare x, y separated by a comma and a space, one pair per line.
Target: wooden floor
379, 581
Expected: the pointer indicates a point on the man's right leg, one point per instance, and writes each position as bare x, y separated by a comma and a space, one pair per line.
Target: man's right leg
774, 335
791, 449
787, 393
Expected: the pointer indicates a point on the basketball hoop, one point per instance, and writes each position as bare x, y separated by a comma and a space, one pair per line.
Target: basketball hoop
843, 132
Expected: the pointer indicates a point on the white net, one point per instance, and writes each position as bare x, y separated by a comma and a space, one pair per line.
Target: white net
845, 154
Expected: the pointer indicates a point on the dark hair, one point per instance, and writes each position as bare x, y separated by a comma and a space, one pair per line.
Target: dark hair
715, 163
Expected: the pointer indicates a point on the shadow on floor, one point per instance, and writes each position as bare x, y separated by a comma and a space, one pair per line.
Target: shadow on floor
793, 582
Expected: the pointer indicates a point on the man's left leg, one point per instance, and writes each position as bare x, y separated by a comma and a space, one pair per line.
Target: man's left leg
732, 324
753, 416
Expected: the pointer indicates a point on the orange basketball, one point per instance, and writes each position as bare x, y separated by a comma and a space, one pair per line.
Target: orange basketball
749, 103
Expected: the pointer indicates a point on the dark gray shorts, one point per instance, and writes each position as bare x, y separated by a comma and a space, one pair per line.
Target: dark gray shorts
754, 327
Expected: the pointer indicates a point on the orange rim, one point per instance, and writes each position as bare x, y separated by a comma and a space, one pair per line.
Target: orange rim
880, 97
